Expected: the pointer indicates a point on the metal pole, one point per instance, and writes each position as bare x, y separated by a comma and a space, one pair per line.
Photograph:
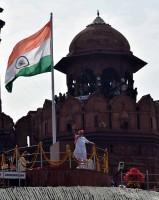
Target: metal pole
94, 162
16, 158
17, 163
41, 156
70, 162
147, 179
19, 182
121, 176
52, 81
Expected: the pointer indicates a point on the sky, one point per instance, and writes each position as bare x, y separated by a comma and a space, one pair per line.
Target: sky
137, 20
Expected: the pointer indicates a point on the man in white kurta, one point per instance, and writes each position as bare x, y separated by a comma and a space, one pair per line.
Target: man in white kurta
80, 151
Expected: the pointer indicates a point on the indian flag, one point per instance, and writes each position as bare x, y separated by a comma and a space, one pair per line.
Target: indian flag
30, 56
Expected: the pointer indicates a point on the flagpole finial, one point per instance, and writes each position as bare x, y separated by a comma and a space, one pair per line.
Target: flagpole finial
97, 13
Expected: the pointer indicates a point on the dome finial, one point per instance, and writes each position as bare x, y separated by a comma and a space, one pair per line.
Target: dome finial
97, 13
98, 19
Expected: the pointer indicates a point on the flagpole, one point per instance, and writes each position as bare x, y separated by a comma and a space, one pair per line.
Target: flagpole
52, 83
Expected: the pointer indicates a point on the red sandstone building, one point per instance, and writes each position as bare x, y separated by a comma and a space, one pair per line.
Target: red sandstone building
101, 99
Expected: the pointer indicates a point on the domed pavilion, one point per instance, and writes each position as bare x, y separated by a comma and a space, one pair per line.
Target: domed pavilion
99, 56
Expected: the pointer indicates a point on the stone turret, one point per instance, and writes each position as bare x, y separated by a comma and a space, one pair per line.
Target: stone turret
100, 58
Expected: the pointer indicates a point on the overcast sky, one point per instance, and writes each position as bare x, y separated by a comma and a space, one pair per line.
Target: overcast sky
137, 20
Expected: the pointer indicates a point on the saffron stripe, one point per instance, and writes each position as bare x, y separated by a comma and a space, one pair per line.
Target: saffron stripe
33, 57
30, 43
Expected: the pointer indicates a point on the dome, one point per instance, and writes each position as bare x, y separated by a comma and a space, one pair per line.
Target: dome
101, 42
99, 37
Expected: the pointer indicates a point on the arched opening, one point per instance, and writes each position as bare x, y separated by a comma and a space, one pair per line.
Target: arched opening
71, 85
84, 84
124, 120
110, 82
69, 127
